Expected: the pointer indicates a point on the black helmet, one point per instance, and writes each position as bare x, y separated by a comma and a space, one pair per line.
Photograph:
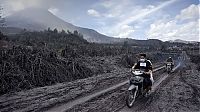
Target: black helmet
143, 54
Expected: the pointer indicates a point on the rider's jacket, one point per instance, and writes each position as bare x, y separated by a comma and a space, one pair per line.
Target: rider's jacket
169, 60
144, 65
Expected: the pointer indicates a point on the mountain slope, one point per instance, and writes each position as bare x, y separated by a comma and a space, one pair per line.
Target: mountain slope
182, 41
40, 19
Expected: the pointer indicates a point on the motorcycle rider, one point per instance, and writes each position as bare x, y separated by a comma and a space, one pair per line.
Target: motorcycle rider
146, 66
170, 60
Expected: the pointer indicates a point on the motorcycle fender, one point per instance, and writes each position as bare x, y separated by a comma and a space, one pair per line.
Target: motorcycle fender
132, 87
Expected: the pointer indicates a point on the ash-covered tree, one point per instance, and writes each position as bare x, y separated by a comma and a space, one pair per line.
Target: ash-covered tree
75, 32
2, 23
55, 30
2, 36
2, 19
125, 47
63, 32
49, 29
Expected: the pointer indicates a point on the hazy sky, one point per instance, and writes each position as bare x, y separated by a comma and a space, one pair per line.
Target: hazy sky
138, 19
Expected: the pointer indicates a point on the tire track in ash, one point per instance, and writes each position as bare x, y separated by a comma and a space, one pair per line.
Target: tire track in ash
66, 106
161, 79
196, 91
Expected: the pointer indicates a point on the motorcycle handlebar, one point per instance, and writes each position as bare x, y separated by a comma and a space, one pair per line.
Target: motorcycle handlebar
133, 70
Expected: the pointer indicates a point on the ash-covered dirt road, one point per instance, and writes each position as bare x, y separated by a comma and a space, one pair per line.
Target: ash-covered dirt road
46, 98
69, 105
178, 91
115, 100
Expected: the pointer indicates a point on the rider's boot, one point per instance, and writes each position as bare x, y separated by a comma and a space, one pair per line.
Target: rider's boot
148, 91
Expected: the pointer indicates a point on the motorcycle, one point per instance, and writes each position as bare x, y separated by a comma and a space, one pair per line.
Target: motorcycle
136, 87
169, 67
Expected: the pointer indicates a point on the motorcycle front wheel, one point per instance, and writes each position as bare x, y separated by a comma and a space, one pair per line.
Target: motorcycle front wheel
168, 71
131, 97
